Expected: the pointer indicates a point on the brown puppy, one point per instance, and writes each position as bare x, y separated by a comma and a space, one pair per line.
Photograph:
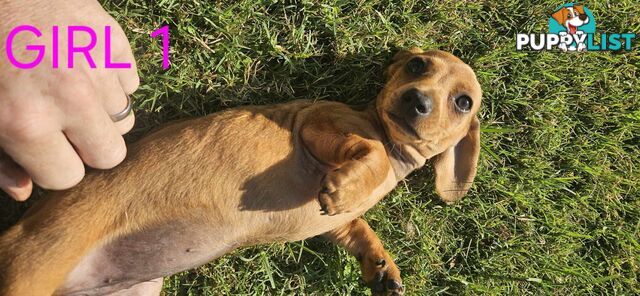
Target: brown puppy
195, 190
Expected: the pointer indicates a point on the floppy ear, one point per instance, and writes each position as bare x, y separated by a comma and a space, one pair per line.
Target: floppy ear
560, 16
455, 168
579, 8
398, 58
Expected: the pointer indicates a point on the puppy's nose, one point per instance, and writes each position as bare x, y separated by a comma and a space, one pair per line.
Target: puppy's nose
416, 103
583, 17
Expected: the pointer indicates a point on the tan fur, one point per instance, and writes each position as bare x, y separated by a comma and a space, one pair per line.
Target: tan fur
456, 167
258, 174
360, 240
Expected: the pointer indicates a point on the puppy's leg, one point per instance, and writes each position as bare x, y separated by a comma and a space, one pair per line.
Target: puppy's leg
378, 269
37, 253
358, 165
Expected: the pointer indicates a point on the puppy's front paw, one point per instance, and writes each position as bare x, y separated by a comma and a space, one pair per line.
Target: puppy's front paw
331, 196
337, 194
382, 276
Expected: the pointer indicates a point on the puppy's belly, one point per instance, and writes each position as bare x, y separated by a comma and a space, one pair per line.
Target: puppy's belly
183, 244
145, 255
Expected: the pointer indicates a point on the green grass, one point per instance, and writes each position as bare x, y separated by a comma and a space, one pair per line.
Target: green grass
555, 208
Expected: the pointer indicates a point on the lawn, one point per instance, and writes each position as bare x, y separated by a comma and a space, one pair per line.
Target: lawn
555, 208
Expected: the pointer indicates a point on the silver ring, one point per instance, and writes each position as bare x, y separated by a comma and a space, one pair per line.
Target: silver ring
124, 113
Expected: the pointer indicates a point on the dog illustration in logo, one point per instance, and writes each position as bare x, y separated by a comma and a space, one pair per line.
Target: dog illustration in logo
572, 18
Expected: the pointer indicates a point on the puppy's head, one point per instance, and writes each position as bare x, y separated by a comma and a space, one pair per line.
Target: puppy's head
430, 103
571, 17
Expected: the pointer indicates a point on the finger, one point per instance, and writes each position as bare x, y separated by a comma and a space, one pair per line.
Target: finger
13, 179
128, 77
125, 125
47, 157
115, 101
95, 136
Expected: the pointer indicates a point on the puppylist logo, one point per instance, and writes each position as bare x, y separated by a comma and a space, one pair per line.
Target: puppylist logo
572, 27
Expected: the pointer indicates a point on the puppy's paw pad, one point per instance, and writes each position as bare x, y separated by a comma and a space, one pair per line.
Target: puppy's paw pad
327, 205
382, 285
386, 280
332, 195
394, 288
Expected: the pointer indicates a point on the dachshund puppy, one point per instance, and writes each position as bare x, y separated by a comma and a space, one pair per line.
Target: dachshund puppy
198, 189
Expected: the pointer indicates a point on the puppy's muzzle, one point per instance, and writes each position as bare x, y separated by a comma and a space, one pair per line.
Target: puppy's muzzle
415, 104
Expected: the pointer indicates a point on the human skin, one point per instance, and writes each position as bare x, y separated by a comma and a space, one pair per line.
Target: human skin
54, 121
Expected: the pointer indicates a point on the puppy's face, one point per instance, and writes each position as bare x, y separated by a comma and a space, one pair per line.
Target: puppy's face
429, 101
571, 17
576, 16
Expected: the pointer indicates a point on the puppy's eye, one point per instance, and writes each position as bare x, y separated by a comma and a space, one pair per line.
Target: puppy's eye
416, 66
464, 103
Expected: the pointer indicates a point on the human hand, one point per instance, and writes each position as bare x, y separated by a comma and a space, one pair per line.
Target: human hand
54, 120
